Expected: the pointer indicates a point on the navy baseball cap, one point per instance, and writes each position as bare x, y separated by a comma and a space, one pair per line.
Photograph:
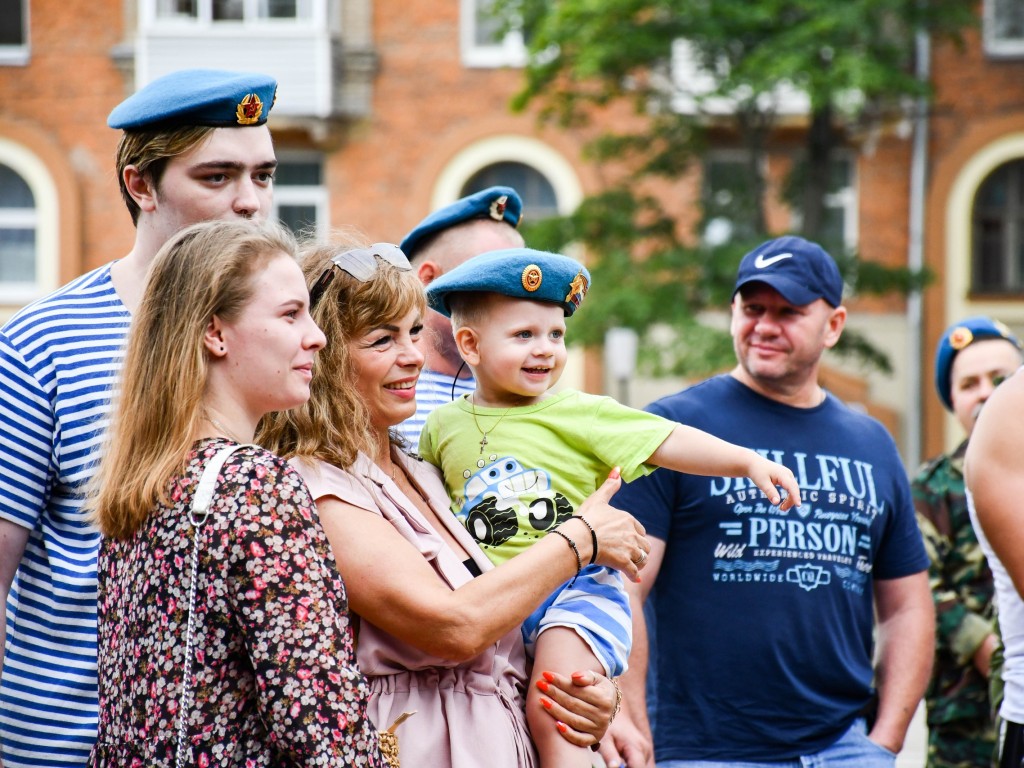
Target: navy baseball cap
958, 337
521, 273
212, 97
798, 269
497, 203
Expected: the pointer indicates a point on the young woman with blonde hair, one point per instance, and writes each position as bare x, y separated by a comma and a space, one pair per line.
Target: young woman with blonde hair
224, 637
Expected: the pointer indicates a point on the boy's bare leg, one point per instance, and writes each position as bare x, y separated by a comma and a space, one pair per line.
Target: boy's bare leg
558, 649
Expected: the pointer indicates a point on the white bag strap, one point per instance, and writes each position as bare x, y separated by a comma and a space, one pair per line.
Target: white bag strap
197, 515
203, 496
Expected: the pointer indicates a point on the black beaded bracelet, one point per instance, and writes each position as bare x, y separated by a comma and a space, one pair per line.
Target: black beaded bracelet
575, 551
593, 538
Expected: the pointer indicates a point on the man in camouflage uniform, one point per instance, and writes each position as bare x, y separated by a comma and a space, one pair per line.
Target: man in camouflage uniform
973, 356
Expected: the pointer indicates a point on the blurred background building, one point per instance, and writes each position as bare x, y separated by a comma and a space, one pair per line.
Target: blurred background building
388, 109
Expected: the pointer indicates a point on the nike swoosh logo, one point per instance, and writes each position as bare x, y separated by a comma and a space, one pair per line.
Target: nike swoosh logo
761, 262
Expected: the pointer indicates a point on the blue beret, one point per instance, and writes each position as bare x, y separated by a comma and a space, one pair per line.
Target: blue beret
497, 203
521, 273
960, 336
211, 97
801, 271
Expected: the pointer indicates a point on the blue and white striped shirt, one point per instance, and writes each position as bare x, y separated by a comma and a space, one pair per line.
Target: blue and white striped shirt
59, 362
432, 390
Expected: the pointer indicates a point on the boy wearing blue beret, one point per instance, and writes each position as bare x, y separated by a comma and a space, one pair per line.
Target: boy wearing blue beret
483, 221
518, 460
194, 147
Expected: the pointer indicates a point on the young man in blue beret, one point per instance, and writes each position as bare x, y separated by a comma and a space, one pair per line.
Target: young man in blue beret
797, 639
481, 222
518, 460
972, 358
195, 147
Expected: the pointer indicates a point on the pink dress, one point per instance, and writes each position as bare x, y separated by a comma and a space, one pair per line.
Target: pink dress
467, 714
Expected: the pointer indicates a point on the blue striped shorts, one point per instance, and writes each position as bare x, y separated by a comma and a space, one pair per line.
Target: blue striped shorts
596, 608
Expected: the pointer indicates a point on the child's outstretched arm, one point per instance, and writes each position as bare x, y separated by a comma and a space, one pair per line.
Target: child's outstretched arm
695, 452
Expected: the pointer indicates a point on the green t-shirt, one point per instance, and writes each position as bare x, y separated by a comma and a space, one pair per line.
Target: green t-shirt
513, 474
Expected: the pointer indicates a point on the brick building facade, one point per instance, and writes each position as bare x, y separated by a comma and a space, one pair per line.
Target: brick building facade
389, 109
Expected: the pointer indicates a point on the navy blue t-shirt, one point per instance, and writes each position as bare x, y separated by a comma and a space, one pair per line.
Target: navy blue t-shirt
764, 618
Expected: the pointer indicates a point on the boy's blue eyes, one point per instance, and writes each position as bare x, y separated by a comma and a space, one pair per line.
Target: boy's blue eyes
529, 334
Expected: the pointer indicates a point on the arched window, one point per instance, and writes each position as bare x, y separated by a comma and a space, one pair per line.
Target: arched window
539, 198
18, 227
997, 232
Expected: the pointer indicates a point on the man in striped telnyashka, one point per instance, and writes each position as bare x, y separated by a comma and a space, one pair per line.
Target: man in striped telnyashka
195, 147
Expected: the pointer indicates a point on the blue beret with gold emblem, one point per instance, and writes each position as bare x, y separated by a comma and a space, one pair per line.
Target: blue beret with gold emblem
959, 336
212, 97
497, 203
521, 273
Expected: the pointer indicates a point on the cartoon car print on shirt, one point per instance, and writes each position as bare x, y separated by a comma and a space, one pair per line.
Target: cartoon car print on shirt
503, 498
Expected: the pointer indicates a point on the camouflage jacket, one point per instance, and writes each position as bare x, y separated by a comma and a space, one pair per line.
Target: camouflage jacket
961, 585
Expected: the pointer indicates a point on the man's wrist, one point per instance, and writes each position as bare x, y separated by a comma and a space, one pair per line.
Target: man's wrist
885, 738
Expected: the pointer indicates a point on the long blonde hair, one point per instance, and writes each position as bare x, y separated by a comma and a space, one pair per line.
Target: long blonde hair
205, 270
334, 424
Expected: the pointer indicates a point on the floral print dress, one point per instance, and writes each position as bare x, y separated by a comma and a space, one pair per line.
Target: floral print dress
275, 681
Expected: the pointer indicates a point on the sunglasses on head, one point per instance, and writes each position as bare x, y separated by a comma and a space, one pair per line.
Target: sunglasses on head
361, 264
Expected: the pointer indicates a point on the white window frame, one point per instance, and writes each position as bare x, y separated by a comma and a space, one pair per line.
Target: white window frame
845, 200
691, 83
998, 47
45, 219
309, 13
18, 55
315, 195
713, 234
510, 52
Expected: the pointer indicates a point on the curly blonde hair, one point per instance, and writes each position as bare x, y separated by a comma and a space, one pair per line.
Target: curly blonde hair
334, 424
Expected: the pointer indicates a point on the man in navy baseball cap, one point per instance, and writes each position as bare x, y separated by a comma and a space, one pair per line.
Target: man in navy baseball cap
843, 690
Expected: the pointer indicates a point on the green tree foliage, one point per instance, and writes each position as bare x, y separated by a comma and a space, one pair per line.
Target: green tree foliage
853, 62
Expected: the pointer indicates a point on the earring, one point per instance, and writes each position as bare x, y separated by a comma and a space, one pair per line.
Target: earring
221, 347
